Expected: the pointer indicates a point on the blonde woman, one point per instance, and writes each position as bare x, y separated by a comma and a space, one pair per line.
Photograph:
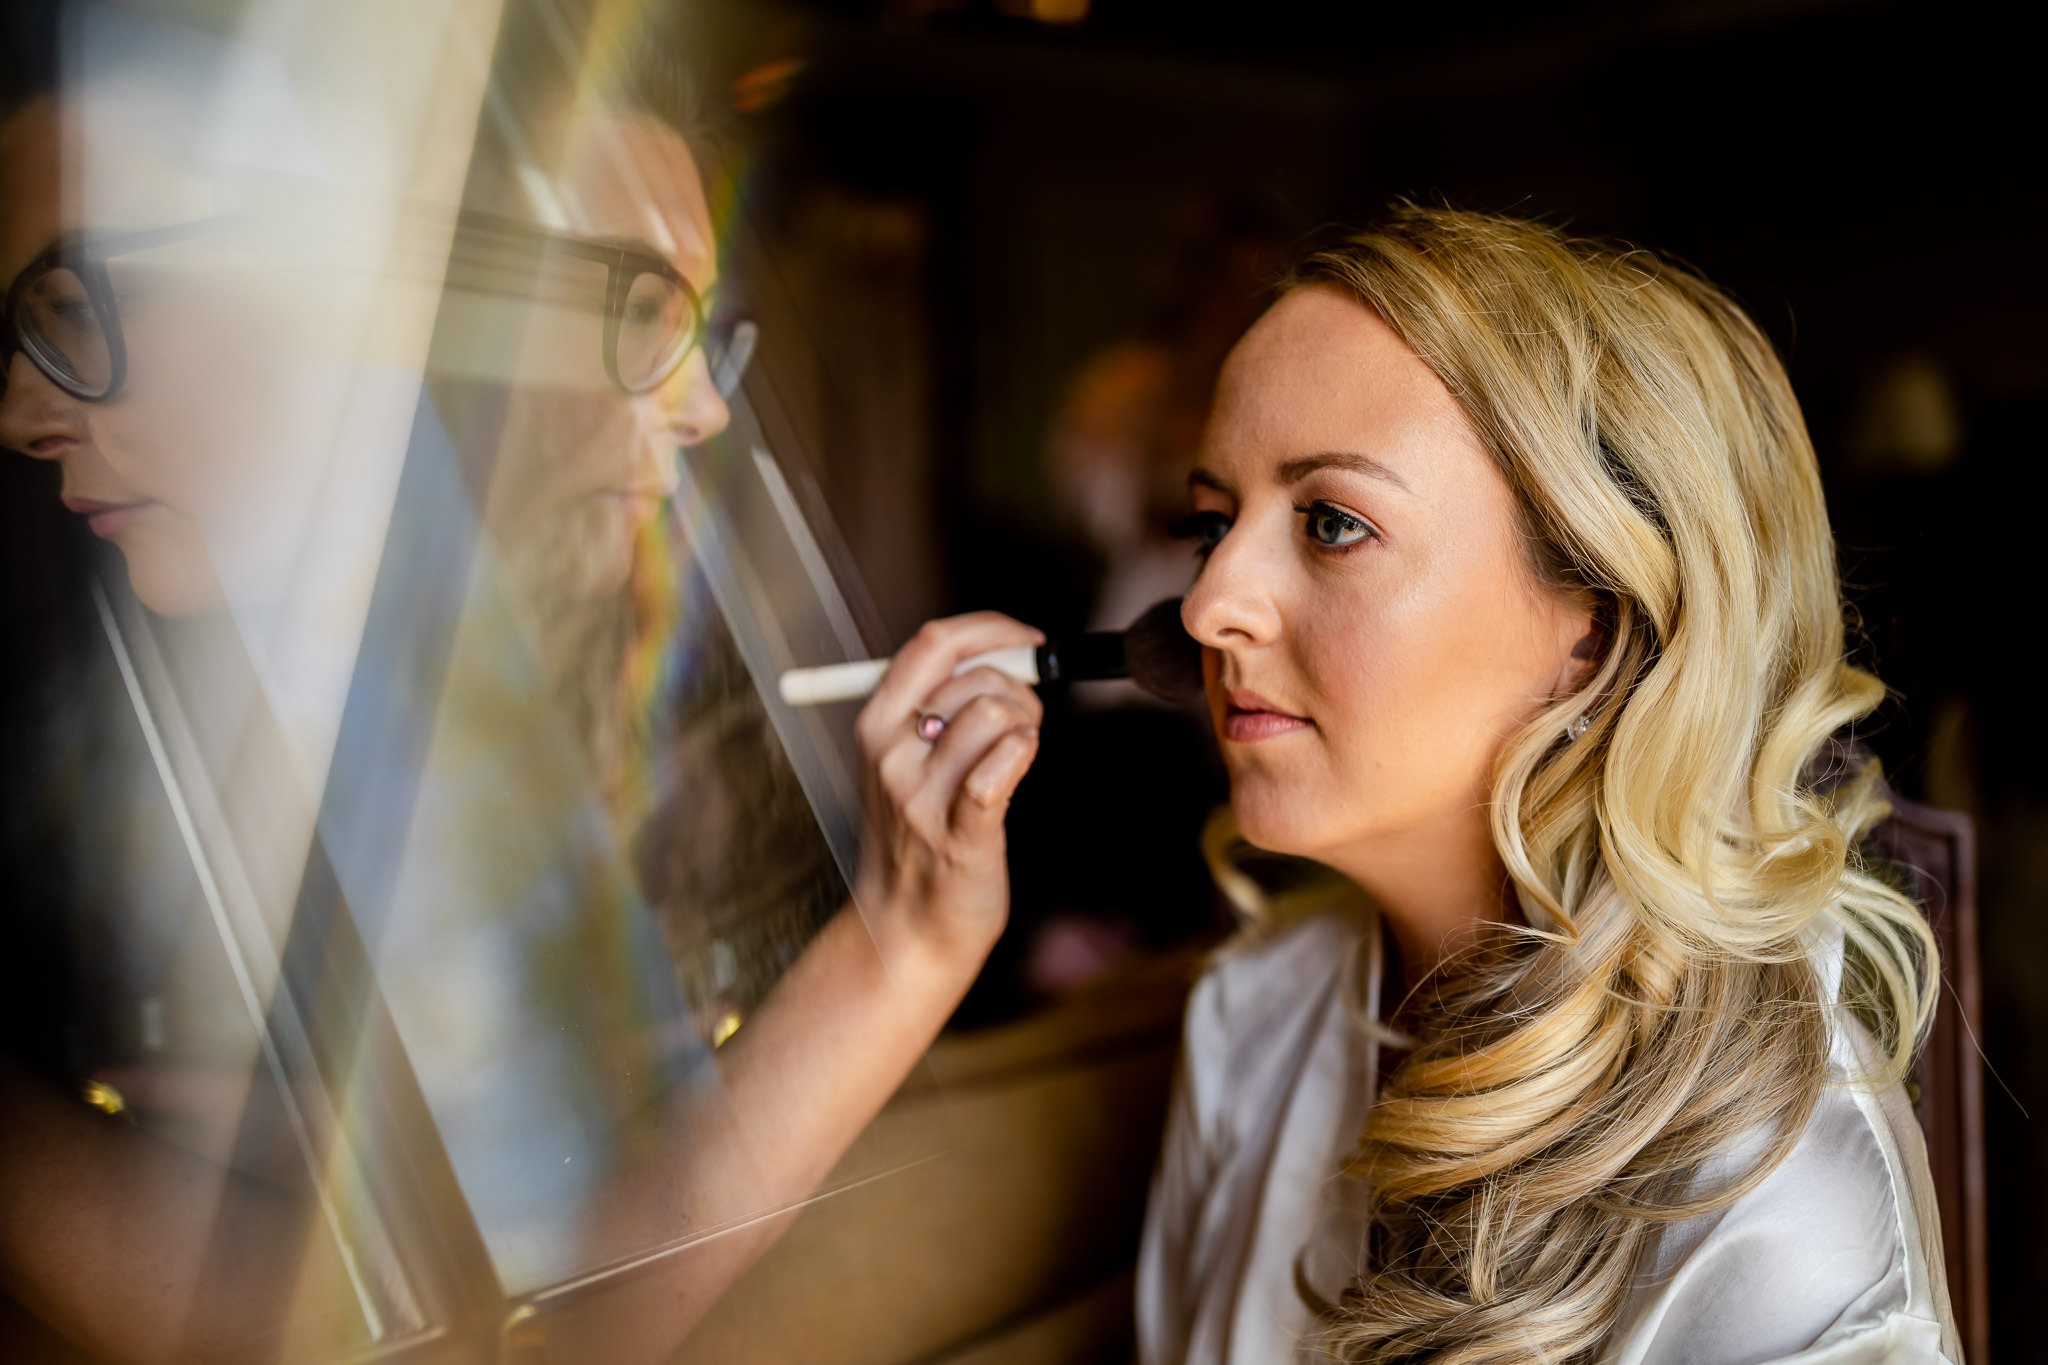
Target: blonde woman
1520, 611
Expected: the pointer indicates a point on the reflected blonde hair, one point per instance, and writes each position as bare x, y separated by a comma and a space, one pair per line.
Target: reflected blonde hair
1678, 863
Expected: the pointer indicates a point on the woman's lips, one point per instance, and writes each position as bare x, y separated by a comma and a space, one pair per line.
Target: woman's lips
1249, 717
108, 518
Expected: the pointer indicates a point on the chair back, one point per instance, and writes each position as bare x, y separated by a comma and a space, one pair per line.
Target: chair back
1936, 852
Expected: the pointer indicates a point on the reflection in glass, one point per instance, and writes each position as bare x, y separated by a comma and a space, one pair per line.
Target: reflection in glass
644, 315
180, 396
423, 830
610, 854
64, 313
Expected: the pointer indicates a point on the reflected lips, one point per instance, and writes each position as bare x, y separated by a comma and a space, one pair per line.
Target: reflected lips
108, 518
650, 497
1249, 717
638, 505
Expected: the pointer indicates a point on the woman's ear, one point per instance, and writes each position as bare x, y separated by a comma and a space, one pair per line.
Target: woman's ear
1580, 625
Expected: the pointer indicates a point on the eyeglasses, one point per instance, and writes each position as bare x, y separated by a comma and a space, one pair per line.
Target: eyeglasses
652, 317
63, 314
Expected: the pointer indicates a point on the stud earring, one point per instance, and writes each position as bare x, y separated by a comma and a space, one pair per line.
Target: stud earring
1578, 726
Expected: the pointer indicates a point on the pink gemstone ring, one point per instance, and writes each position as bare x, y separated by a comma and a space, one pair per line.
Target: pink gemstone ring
930, 727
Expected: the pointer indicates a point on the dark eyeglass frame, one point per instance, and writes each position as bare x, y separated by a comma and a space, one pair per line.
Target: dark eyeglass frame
85, 254
623, 264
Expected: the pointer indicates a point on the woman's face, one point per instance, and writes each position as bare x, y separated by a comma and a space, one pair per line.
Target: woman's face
153, 469
1373, 628
205, 468
583, 466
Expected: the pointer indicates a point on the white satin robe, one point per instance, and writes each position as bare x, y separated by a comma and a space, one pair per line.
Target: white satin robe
1834, 1260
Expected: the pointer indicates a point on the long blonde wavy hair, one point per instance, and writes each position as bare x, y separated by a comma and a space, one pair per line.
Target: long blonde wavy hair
1678, 863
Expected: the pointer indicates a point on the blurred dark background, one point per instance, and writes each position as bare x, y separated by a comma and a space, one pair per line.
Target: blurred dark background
1008, 230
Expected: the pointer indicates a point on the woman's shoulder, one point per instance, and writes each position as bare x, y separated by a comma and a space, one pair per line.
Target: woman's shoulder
1835, 1256
1267, 975
1261, 1005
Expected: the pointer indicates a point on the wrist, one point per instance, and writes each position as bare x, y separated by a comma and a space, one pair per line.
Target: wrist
922, 953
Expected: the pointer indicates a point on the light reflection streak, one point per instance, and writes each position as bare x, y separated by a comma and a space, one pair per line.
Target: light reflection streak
267, 1011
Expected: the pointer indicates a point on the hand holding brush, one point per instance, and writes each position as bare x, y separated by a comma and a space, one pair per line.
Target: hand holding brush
1156, 653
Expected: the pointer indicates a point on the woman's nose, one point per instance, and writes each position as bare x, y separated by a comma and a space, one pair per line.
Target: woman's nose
688, 405
36, 417
1232, 604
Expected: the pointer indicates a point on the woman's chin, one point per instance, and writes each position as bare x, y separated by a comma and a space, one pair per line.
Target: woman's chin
1266, 819
172, 580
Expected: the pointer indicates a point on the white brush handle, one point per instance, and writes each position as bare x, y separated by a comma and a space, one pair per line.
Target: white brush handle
849, 682
833, 682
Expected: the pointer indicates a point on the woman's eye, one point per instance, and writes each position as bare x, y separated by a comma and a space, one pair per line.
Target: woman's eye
1332, 526
1206, 529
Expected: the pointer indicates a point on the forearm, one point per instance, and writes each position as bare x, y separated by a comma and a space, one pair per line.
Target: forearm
805, 1074
852, 1015
831, 1043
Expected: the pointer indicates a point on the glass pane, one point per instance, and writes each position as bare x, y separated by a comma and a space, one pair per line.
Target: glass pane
182, 1049
602, 840
616, 843
448, 674
143, 981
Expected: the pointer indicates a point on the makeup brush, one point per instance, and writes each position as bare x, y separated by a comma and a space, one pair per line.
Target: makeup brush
1156, 653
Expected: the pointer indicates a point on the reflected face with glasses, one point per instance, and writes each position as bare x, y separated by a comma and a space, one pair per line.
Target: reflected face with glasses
149, 369
169, 393
63, 312
599, 339
647, 316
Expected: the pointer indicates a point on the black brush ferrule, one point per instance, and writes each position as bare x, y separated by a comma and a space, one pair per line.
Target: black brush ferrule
1093, 657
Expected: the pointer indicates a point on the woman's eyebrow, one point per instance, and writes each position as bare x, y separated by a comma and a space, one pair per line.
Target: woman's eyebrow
1202, 478
1294, 471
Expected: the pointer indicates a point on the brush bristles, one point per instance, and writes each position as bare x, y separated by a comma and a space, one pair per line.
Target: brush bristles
1162, 657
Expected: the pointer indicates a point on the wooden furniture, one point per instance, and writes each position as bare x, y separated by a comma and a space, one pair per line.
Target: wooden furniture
1014, 1245
1935, 853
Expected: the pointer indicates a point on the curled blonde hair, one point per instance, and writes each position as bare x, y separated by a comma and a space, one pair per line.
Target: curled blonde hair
1678, 863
